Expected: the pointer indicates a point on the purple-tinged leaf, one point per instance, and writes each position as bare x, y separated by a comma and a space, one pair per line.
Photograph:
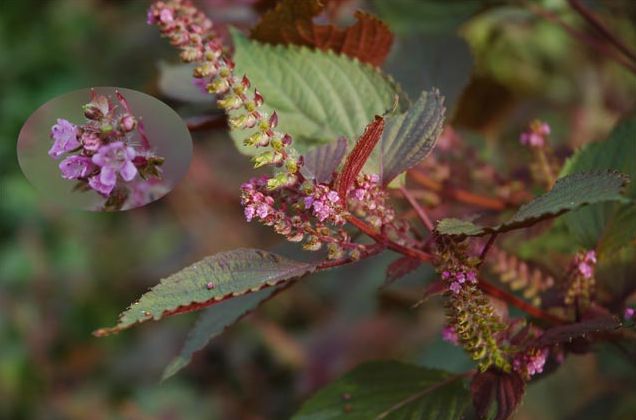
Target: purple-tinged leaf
211, 323
208, 282
506, 389
410, 137
583, 329
400, 268
321, 162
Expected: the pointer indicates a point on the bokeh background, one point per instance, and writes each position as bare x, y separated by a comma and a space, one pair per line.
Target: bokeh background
65, 273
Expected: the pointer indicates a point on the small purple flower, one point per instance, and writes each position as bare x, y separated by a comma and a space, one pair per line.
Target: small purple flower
333, 196
460, 277
629, 313
455, 287
75, 167
262, 211
446, 275
585, 269
450, 335
115, 158
249, 212
309, 200
64, 135
471, 276
166, 16
359, 194
95, 183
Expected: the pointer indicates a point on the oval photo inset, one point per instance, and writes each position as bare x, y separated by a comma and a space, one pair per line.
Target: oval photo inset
104, 149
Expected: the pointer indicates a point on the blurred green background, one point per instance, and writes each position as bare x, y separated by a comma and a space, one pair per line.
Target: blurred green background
65, 273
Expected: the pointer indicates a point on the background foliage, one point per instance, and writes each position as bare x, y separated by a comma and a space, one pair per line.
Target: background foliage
64, 273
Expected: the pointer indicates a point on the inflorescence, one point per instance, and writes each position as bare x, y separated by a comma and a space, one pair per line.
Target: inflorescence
104, 155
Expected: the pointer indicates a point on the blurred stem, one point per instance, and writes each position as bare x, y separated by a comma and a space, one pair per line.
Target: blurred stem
580, 36
421, 213
597, 24
458, 194
550, 178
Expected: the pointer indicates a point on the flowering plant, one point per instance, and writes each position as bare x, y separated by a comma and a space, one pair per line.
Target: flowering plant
105, 156
339, 196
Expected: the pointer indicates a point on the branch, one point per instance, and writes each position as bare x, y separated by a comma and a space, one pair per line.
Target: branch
458, 194
597, 24
421, 213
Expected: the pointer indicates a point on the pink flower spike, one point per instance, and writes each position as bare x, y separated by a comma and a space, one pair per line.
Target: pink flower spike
64, 135
115, 158
75, 167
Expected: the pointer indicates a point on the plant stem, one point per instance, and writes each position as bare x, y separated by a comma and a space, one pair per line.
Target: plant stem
597, 24
458, 194
598, 46
418, 209
486, 287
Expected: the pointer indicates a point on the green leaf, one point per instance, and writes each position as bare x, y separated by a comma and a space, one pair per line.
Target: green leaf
209, 281
389, 390
318, 95
610, 226
212, 322
408, 138
568, 193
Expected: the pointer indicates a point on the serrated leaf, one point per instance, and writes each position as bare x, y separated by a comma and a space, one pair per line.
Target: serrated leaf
410, 137
389, 390
212, 322
318, 96
290, 22
565, 333
321, 162
607, 227
506, 389
568, 193
209, 281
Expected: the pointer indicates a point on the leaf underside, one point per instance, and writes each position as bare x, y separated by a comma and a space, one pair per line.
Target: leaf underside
212, 322
210, 281
389, 390
568, 193
566, 333
410, 137
321, 162
319, 96
506, 389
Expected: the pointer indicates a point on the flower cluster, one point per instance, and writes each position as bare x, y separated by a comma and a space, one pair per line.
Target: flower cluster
581, 281
189, 30
103, 154
530, 362
312, 212
367, 199
536, 136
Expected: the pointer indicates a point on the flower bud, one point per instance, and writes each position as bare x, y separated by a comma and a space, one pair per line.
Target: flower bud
127, 123
230, 102
91, 141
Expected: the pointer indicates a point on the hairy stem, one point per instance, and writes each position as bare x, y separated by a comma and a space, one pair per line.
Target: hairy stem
421, 213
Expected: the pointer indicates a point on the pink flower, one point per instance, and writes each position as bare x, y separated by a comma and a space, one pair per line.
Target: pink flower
450, 335
586, 270
115, 158
629, 313
530, 362
64, 135
537, 134
455, 287
95, 183
249, 212
75, 167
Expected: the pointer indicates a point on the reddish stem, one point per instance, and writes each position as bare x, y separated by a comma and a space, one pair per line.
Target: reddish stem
378, 237
511, 299
458, 194
418, 209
